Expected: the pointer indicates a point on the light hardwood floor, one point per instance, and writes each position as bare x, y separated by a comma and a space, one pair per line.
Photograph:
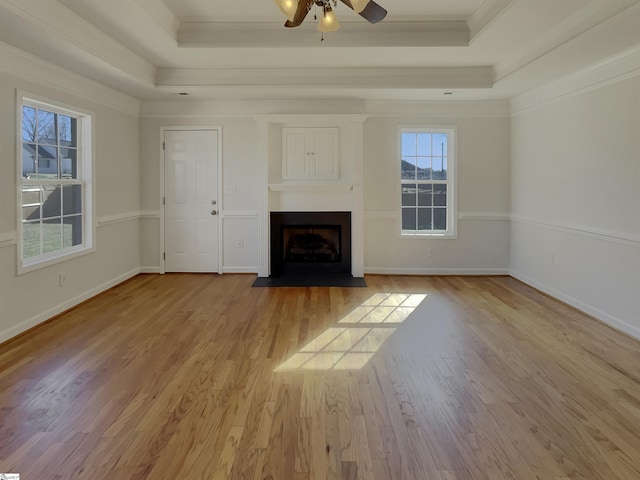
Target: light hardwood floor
199, 377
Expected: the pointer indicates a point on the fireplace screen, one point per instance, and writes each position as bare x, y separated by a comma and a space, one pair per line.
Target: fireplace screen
311, 244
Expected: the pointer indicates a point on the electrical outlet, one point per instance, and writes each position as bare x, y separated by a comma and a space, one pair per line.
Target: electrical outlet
62, 279
240, 243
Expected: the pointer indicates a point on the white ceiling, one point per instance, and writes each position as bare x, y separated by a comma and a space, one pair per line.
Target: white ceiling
479, 49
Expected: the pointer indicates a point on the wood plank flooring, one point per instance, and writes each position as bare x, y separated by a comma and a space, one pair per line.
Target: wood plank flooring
200, 377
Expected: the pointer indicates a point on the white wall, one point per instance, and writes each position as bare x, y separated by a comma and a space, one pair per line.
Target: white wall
482, 243
31, 298
238, 208
575, 200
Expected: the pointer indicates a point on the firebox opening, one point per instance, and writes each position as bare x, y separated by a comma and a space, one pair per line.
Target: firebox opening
312, 244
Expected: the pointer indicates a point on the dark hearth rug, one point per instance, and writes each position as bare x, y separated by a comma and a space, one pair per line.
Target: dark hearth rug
310, 281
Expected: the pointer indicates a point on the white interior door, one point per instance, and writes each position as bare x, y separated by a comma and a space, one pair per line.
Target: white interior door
191, 201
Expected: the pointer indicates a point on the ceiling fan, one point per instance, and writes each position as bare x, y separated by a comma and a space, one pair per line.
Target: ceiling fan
297, 10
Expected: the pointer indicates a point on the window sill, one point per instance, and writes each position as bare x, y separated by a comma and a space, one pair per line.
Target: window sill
430, 236
53, 260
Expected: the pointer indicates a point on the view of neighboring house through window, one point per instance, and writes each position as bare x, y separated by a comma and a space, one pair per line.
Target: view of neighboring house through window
426, 177
55, 164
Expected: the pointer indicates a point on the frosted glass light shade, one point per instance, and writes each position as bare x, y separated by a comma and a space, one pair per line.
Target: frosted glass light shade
288, 7
359, 5
328, 21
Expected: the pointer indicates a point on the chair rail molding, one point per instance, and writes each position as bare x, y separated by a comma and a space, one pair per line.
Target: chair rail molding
8, 239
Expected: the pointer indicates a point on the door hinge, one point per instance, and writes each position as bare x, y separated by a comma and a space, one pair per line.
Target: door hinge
164, 255
163, 147
164, 200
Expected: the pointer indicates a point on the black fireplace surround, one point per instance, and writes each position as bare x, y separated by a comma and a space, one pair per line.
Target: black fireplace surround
310, 243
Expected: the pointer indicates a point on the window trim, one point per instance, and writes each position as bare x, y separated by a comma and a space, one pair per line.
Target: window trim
86, 166
452, 190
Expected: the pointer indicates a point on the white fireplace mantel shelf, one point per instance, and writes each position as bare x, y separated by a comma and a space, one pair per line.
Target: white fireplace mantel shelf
310, 187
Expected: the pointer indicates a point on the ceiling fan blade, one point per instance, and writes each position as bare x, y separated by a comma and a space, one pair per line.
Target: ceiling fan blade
301, 13
373, 12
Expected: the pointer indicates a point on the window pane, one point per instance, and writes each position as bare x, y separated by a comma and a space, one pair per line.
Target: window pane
408, 194
408, 219
443, 172
47, 128
71, 199
439, 218
409, 144
424, 144
438, 173
425, 195
408, 168
28, 124
424, 168
31, 213
424, 218
31, 195
439, 144
51, 235
69, 162
47, 162
52, 202
28, 160
30, 239
68, 131
440, 195
72, 231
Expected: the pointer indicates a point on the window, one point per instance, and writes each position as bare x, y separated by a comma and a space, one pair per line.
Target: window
55, 188
426, 178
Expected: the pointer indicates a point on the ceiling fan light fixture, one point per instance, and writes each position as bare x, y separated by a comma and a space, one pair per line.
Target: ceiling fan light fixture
288, 8
359, 5
328, 20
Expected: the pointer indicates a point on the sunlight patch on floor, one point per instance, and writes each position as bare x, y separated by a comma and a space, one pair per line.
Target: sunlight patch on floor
353, 341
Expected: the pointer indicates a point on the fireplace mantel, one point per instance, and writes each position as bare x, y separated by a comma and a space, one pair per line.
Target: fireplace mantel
342, 194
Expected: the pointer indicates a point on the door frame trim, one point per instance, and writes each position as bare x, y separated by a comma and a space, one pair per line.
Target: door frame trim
213, 128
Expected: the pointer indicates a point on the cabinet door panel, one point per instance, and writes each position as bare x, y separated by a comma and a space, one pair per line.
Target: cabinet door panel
325, 159
295, 164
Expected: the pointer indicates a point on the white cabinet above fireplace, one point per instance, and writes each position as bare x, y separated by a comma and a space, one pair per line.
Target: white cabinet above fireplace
310, 153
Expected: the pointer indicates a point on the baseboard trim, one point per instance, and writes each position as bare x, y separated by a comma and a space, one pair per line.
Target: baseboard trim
64, 306
435, 271
240, 270
594, 312
149, 269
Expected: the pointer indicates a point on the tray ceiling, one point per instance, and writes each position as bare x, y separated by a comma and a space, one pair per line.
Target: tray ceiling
491, 49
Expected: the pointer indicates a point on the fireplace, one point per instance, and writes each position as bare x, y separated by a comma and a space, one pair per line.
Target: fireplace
310, 243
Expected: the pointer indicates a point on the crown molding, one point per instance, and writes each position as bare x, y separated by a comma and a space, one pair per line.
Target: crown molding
438, 108
250, 108
52, 22
159, 14
488, 13
270, 35
592, 36
356, 78
25, 66
613, 70
328, 107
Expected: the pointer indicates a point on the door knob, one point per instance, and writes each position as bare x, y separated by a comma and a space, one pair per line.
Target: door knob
214, 212
213, 202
